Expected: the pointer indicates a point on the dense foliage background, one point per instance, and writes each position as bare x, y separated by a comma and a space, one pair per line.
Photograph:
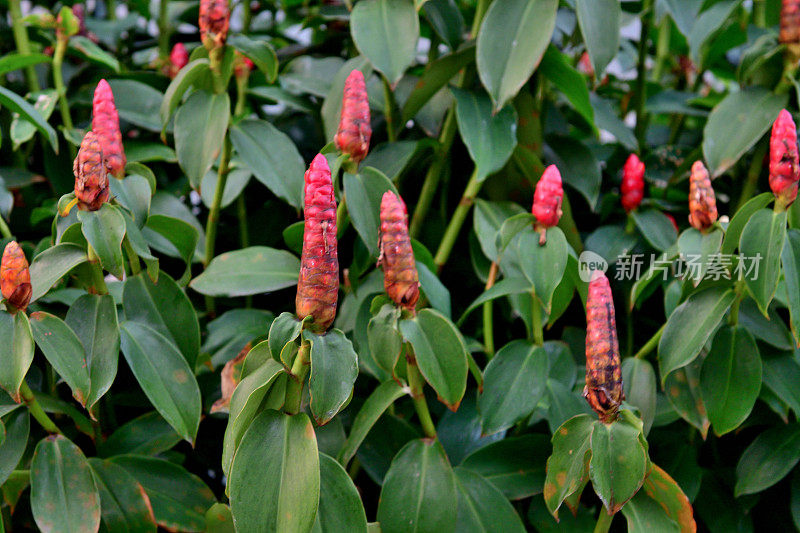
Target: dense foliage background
139, 309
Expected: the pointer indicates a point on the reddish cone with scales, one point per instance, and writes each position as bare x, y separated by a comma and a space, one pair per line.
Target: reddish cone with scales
91, 174
784, 170
400, 276
632, 183
15, 278
702, 201
547, 201
355, 130
105, 125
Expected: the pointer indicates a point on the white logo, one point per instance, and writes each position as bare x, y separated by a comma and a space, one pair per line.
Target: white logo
588, 262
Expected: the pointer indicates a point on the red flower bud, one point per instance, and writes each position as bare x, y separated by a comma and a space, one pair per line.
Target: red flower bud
702, 202
214, 22
354, 125
178, 58
318, 286
547, 201
784, 170
400, 277
91, 174
105, 124
603, 388
790, 22
632, 183
15, 279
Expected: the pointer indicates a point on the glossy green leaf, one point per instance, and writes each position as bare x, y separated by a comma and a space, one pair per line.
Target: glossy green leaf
91, 51
735, 125
51, 265
488, 219
17, 104
284, 329
421, 473
164, 376
440, 353
63, 349
682, 389
260, 52
482, 507
179, 498
386, 33
557, 67
513, 383
22, 131
706, 25
543, 265
235, 183
385, 340
93, 318
768, 459
734, 230
599, 21
392, 158
334, 368
644, 514
200, 126
219, 519
63, 494
690, 326
16, 351
187, 77
104, 230
698, 251
437, 75
165, 308
579, 167
16, 61
512, 39
568, 466
639, 381
148, 434
381, 398
274, 481
340, 507
273, 158
761, 244
504, 287
515, 465
252, 270
790, 261
134, 193
731, 378
125, 505
656, 228
174, 236
668, 496
137, 103
364, 192
17, 428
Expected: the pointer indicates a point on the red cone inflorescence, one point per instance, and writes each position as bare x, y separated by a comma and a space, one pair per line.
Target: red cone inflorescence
400, 277
355, 130
15, 278
318, 285
178, 58
91, 174
547, 201
790, 22
784, 170
214, 22
105, 124
603, 388
702, 202
632, 183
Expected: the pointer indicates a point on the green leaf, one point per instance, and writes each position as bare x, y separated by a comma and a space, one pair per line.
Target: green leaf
173, 236
364, 192
768, 459
200, 126
392, 158
639, 381
284, 330
656, 228
16, 61
63, 493
332, 106
134, 193
22, 131
245, 405
381, 398
706, 25
260, 52
736, 123
734, 230
790, 260
219, 519
125, 506
420, 473
557, 67
682, 389
440, 353
513, 383
690, 326
252, 270
645, 514
698, 250
164, 376
490, 137
179, 499
511, 228
340, 507
104, 230
235, 183
274, 481
446, 20
619, 460
165, 308
187, 77
137, 103
93, 318
334, 368
683, 13
385, 340
568, 466
543, 265
579, 167
662, 490
504, 287
599, 21
17, 104
63, 349
762, 243
515, 465
273, 158
148, 434
731, 378
488, 219
386, 33
17, 427
436, 75
16, 352
433, 289
93, 52
482, 507
512, 39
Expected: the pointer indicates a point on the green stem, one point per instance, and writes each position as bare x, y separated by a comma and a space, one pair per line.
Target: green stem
416, 383
662, 49
22, 42
98, 281
19, 475
133, 258
241, 96
603, 521
4, 230
247, 16
457, 220
475, 370
753, 173
641, 82
58, 81
488, 315
111, 5
213, 213
651, 344
294, 386
760, 13
536, 319
163, 28
480, 11
388, 110
36, 410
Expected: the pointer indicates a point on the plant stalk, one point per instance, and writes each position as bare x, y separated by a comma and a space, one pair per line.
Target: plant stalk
475, 370
163, 28
457, 220
4, 229
641, 83
662, 49
389, 111
417, 383
651, 344
133, 258
536, 319
213, 213
488, 315
294, 386
22, 43
98, 281
603, 521
36, 410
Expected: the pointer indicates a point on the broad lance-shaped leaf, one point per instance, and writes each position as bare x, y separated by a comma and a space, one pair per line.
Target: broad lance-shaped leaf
334, 368
760, 246
124, 503
482, 507
12, 101
17, 428
248, 271
543, 265
63, 349
599, 21
386, 32
568, 466
16, 351
200, 126
104, 230
53, 264
768, 459
364, 192
790, 260
639, 382
340, 507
